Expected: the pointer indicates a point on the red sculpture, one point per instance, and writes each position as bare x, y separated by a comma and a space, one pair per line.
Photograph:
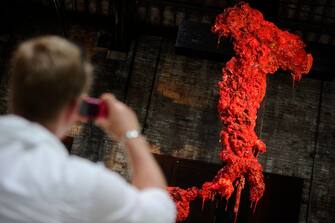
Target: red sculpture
261, 48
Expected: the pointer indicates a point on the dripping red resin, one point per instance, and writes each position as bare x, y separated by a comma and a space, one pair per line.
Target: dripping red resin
261, 48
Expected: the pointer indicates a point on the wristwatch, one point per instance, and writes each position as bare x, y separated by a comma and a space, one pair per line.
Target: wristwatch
131, 134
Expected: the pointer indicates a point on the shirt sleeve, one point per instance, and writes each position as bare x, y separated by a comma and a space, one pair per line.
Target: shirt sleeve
111, 199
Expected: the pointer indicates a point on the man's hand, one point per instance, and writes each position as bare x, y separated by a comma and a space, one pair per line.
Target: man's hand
120, 118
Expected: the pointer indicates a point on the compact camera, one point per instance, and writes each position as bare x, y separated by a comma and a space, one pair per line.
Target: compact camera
92, 108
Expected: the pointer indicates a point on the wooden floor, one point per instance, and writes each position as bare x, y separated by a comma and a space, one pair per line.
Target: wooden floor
175, 98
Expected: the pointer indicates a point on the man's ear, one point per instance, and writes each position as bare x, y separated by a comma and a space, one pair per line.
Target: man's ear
73, 110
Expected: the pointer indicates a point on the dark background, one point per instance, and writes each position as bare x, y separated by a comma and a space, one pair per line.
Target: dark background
175, 95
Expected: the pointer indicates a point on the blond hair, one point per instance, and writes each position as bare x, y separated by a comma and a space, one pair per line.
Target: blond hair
46, 74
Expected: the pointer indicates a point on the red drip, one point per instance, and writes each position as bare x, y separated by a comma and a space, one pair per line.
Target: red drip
254, 207
240, 186
261, 48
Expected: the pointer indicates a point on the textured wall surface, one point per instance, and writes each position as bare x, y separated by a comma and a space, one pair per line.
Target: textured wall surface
289, 129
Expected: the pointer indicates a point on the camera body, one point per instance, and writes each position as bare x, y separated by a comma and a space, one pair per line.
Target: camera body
92, 108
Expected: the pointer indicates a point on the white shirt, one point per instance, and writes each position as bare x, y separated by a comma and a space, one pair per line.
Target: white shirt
41, 182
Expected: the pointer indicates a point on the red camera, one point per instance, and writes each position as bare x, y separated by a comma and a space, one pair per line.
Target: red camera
92, 108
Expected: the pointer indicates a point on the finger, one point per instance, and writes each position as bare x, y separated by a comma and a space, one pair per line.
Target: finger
108, 97
110, 102
102, 125
82, 118
101, 122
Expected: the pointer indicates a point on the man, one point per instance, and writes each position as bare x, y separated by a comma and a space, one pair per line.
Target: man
39, 180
